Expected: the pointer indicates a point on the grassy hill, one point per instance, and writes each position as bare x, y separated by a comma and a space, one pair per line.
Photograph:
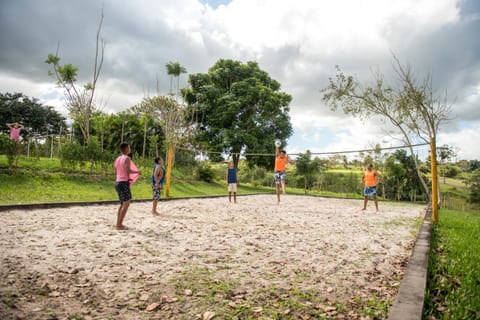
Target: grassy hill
43, 180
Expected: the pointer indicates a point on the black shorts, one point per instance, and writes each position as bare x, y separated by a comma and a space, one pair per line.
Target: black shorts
123, 191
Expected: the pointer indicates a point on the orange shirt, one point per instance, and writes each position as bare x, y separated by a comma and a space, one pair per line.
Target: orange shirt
369, 179
280, 163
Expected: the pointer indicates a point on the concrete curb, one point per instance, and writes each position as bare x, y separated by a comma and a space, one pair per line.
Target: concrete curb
411, 295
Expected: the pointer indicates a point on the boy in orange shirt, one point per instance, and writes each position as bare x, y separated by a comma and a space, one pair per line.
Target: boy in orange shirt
281, 161
370, 179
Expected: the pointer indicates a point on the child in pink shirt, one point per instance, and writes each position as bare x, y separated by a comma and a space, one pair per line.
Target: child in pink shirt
122, 183
15, 129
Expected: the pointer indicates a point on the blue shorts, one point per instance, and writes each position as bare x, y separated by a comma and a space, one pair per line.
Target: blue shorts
123, 191
279, 176
370, 191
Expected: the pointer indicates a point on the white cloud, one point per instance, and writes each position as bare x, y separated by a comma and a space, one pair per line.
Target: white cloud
465, 140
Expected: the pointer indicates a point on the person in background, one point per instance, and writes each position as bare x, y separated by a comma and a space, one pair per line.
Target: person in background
370, 180
232, 180
281, 161
15, 129
158, 178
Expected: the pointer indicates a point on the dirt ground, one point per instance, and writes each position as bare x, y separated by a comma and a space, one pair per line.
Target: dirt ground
306, 258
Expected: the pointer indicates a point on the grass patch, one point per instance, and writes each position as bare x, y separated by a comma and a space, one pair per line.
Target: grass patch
44, 181
453, 288
201, 289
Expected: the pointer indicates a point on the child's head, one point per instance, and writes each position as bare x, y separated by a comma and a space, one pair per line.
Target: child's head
158, 160
125, 148
283, 153
231, 164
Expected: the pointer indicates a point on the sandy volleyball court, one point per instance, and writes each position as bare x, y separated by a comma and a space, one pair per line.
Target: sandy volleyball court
205, 258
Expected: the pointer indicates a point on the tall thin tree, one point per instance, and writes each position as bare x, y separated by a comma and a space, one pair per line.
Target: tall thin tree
79, 100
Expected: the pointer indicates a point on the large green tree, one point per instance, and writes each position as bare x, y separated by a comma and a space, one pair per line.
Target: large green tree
36, 118
239, 109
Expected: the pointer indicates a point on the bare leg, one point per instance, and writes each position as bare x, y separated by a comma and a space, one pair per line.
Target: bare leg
229, 197
376, 202
284, 187
122, 211
365, 200
154, 207
235, 197
277, 188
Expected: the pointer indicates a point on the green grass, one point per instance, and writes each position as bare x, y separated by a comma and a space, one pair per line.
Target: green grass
453, 289
44, 181
458, 183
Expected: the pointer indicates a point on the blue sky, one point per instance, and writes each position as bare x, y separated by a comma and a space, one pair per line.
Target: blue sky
215, 3
298, 43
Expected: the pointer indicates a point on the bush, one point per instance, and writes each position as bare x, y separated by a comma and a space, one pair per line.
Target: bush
474, 182
205, 173
451, 171
10, 148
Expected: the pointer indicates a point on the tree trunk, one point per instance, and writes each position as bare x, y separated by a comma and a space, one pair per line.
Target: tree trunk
144, 138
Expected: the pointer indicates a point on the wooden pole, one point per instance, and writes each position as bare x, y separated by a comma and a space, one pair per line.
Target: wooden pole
170, 149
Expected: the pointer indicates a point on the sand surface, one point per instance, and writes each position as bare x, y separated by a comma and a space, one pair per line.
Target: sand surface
69, 263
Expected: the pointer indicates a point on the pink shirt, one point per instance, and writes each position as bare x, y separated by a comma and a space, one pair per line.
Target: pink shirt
15, 133
121, 168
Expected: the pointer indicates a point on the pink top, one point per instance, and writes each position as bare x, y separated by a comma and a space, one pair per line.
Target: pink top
133, 176
121, 168
15, 133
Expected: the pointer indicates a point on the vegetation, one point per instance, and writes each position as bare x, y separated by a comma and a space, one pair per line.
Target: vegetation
43, 180
79, 99
453, 289
239, 108
411, 107
40, 121
81, 180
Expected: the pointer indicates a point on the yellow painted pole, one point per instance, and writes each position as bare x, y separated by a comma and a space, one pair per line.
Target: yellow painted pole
433, 160
169, 168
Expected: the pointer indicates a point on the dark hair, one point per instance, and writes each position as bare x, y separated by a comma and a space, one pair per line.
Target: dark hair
157, 159
124, 146
283, 151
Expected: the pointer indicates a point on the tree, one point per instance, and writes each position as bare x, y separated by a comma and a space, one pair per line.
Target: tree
400, 176
474, 186
37, 118
79, 100
174, 70
307, 168
411, 108
173, 118
147, 111
445, 153
239, 108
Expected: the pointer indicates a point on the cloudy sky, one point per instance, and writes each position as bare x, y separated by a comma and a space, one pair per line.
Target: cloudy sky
297, 42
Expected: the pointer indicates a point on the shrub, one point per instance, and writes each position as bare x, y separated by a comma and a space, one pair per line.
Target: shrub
205, 173
10, 148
